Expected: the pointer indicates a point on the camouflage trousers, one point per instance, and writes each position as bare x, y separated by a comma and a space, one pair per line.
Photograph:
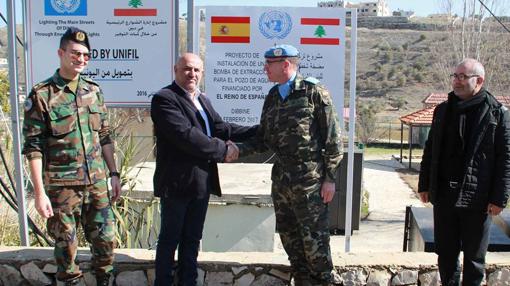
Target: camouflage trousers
89, 206
302, 222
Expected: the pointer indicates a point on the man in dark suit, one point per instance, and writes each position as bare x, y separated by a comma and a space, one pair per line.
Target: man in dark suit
190, 138
465, 173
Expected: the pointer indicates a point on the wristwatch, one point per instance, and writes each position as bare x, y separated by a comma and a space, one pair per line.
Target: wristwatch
115, 174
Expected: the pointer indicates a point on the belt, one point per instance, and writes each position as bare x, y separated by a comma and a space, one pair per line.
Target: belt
453, 184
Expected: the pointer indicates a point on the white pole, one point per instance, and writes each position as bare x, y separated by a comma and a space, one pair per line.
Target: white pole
28, 78
176, 30
16, 135
352, 125
190, 17
196, 31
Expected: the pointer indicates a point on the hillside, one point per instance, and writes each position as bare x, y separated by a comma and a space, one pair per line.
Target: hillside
403, 65
396, 64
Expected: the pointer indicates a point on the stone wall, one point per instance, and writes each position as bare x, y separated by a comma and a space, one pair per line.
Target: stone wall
35, 266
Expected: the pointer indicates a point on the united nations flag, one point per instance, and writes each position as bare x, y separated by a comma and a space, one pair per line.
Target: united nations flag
65, 7
275, 24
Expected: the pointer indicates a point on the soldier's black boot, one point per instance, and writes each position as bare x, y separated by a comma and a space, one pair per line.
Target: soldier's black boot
301, 279
103, 280
71, 282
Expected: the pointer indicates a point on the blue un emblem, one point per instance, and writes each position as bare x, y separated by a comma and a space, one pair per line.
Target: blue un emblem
65, 7
275, 24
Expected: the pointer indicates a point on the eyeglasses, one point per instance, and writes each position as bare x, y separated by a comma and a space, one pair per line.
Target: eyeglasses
77, 55
267, 62
462, 76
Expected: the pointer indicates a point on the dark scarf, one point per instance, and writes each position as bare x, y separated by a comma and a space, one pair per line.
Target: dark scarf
463, 113
458, 125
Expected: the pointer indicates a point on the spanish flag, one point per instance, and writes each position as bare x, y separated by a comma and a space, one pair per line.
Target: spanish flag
228, 29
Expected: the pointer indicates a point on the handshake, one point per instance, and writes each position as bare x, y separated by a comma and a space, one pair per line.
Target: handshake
232, 152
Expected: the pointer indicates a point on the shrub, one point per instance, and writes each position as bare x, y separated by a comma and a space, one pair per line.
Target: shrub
397, 102
387, 57
419, 77
401, 80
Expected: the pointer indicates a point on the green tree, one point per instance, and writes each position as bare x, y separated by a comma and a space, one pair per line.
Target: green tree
420, 65
320, 32
392, 72
401, 80
366, 121
397, 102
419, 77
135, 3
4, 93
387, 57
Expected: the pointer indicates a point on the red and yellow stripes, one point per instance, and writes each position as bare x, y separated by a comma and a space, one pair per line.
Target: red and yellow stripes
230, 29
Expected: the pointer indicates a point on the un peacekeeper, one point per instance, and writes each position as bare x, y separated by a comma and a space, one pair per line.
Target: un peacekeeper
67, 139
300, 125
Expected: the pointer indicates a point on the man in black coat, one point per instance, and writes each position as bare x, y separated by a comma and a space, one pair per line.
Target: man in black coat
190, 139
465, 173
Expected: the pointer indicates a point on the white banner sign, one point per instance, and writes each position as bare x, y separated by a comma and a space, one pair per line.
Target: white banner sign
237, 37
131, 44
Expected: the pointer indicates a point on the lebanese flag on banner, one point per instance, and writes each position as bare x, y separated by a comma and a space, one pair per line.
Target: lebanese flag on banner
320, 26
230, 29
135, 11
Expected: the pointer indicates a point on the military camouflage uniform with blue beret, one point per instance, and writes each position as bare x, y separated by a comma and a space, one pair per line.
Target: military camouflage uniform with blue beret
303, 131
67, 129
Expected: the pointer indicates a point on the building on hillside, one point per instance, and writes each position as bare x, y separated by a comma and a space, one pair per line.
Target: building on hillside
443, 16
331, 4
402, 13
365, 9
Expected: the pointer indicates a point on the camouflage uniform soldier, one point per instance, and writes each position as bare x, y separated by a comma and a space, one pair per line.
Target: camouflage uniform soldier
67, 138
300, 125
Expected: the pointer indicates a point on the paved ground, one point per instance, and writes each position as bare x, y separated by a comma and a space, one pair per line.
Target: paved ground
383, 230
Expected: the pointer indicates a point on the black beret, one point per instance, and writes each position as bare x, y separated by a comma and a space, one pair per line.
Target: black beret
76, 35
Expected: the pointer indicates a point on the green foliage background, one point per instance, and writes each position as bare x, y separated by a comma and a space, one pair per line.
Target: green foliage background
4, 92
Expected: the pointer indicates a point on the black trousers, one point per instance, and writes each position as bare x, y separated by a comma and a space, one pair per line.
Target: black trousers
182, 222
457, 229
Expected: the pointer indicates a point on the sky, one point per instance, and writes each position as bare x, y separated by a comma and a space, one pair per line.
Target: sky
420, 7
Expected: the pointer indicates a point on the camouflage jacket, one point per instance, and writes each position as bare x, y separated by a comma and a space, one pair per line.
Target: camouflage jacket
302, 130
67, 130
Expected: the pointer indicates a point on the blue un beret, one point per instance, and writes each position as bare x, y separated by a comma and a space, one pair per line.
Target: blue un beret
282, 51
76, 35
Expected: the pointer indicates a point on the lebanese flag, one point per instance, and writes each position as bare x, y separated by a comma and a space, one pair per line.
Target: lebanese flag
320, 31
230, 29
135, 12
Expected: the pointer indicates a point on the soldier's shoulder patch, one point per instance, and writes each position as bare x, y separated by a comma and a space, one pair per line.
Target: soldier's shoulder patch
312, 80
89, 80
28, 104
41, 84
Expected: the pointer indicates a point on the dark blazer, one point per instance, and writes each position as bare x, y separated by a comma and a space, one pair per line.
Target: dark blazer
487, 164
185, 156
